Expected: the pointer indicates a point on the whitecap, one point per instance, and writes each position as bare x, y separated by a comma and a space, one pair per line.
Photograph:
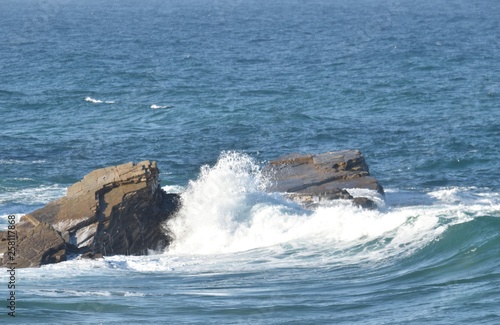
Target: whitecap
98, 101
465, 196
225, 211
154, 106
133, 294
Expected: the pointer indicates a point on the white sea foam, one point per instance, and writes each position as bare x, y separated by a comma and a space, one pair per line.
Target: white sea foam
154, 106
98, 101
228, 223
465, 196
133, 294
28, 198
21, 162
4, 217
69, 293
32, 196
173, 188
225, 211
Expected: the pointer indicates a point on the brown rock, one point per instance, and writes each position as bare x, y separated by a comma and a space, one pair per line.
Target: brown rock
310, 179
36, 245
113, 210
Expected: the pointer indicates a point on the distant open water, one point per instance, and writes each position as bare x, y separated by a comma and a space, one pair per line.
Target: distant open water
214, 89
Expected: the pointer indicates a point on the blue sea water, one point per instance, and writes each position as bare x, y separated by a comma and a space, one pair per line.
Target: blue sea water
212, 90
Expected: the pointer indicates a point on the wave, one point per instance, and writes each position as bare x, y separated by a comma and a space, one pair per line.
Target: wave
459, 249
466, 253
228, 220
226, 210
38, 195
465, 195
98, 101
21, 201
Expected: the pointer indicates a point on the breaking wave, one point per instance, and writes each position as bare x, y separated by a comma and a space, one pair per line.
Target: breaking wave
226, 210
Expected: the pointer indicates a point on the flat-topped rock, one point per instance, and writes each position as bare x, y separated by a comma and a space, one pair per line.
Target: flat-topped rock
310, 178
113, 210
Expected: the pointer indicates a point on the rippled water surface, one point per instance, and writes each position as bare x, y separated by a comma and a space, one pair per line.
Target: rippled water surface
214, 89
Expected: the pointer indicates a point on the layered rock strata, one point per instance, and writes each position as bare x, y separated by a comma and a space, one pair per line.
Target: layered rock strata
113, 210
311, 179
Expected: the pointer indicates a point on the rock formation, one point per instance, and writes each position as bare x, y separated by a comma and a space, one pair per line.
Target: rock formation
310, 179
121, 209
113, 210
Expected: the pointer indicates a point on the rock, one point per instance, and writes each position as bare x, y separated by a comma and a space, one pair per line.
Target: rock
122, 209
113, 210
37, 244
364, 202
91, 256
312, 179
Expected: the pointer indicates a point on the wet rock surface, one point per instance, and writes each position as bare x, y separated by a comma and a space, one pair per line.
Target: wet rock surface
311, 179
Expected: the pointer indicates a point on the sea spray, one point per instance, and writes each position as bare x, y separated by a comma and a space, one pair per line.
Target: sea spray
226, 210
217, 205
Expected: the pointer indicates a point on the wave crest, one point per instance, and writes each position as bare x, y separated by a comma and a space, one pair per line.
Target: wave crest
226, 210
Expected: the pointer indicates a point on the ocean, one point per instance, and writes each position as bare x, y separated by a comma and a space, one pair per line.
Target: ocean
213, 90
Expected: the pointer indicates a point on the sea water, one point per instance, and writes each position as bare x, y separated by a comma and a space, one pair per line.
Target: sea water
214, 89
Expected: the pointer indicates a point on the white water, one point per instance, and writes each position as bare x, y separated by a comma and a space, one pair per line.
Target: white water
98, 101
227, 222
225, 211
36, 195
154, 106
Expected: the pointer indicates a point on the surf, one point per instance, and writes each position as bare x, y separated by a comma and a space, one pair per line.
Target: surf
227, 210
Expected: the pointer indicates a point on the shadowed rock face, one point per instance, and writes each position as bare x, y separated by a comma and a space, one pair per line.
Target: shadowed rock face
309, 178
113, 210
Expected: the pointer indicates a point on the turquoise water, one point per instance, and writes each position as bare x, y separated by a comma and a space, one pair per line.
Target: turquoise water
212, 90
